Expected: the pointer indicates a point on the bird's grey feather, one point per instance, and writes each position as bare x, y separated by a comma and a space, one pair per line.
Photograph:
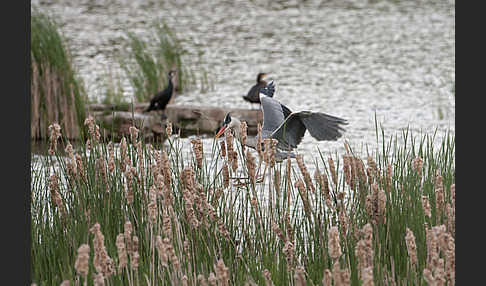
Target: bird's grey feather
273, 115
290, 133
321, 126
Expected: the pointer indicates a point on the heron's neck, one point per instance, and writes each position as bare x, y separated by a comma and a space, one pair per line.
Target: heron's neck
235, 126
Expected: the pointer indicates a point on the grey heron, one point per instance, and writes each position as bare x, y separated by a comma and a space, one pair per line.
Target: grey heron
287, 127
253, 95
162, 98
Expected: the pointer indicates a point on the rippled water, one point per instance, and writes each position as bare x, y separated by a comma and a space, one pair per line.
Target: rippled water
351, 59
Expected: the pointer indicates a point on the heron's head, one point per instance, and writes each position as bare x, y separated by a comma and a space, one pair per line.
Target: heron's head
268, 90
261, 76
172, 74
229, 123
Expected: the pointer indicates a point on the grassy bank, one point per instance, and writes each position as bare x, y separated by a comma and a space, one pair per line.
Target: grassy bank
150, 216
57, 94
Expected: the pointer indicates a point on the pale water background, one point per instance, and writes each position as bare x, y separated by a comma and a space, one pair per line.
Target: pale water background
351, 59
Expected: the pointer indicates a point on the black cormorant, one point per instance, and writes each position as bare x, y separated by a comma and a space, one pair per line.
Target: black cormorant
253, 95
162, 98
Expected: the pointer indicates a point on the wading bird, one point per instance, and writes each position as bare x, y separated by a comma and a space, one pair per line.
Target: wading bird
287, 127
162, 98
253, 95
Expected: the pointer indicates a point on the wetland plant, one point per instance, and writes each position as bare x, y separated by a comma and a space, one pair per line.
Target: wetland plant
146, 215
57, 94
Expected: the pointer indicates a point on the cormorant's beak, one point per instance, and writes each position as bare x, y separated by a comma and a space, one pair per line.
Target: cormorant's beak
221, 130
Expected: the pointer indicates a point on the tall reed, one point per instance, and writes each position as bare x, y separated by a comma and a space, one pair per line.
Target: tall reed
154, 216
57, 93
147, 61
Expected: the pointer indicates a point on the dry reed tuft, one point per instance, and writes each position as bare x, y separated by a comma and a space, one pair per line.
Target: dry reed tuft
305, 173
223, 148
213, 281
222, 273
243, 134
134, 255
168, 128
341, 277
133, 134
152, 206
333, 243
364, 251
279, 232
347, 169
417, 164
99, 280
197, 147
372, 171
332, 169
299, 184
367, 276
251, 166
226, 178
101, 261
202, 280
55, 196
122, 252
268, 278
161, 249
299, 276
166, 169
82, 261
54, 135
439, 196
327, 279
426, 206
288, 251
411, 247
376, 204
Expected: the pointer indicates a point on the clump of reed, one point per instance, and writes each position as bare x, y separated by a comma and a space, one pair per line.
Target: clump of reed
57, 93
148, 60
143, 214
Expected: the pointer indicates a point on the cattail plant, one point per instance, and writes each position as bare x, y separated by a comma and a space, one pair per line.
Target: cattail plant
333, 244
54, 135
303, 169
82, 261
55, 196
411, 247
122, 252
101, 261
167, 222
332, 169
168, 128
197, 148
243, 134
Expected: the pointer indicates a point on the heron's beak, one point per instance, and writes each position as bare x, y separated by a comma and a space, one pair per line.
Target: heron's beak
221, 131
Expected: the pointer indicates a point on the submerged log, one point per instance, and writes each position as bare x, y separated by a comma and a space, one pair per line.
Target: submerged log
186, 119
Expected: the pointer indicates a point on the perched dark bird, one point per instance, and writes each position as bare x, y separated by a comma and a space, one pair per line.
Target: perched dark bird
162, 98
288, 127
253, 95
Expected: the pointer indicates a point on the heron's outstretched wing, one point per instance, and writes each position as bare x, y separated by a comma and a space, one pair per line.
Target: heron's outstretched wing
286, 110
289, 134
273, 115
321, 126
